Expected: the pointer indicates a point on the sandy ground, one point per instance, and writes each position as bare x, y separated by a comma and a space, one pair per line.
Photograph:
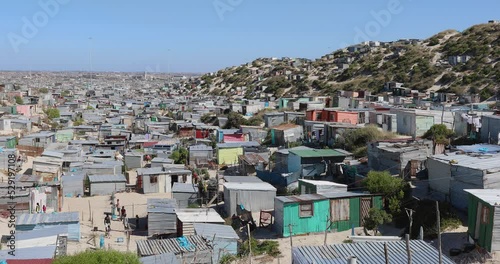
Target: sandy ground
134, 203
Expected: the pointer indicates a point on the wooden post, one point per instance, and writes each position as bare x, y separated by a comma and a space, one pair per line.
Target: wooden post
128, 239
439, 232
326, 229
133, 209
386, 253
408, 251
249, 243
90, 210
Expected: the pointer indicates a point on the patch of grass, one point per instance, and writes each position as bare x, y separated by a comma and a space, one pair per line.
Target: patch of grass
227, 259
99, 256
266, 247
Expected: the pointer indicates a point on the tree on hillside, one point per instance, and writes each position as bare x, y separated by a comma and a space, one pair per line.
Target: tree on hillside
391, 188
355, 140
52, 113
19, 100
439, 133
234, 120
43, 90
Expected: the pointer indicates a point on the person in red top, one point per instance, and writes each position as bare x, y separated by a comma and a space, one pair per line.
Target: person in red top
123, 212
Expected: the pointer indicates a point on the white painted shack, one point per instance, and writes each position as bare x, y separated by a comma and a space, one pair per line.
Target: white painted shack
252, 196
106, 184
161, 179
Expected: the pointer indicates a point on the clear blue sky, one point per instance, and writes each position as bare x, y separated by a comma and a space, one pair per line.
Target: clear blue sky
136, 35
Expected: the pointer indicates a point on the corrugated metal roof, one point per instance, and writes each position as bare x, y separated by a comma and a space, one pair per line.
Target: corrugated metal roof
36, 253
184, 188
238, 144
162, 258
371, 252
200, 147
287, 150
490, 196
317, 153
252, 158
479, 162
107, 178
208, 231
74, 177
300, 198
201, 215
337, 194
52, 218
241, 179
480, 148
165, 169
249, 186
329, 183
172, 245
158, 205
44, 232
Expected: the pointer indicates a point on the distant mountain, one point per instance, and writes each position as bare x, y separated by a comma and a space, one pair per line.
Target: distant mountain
453, 61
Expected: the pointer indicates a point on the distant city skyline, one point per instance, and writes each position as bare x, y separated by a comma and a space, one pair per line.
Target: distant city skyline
204, 36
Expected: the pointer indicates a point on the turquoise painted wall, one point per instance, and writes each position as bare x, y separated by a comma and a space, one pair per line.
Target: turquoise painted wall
293, 163
304, 225
485, 230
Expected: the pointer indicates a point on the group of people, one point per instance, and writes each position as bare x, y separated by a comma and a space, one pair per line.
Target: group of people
122, 213
38, 210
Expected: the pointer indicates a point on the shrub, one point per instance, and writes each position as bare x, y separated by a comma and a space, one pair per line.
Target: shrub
268, 247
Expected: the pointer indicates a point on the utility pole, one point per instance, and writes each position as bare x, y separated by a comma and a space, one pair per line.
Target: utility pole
408, 251
249, 243
439, 232
410, 212
90, 61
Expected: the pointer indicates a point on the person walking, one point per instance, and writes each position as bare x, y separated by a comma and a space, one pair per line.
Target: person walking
37, 208
123, 212
107, 225
44, 209
118, 206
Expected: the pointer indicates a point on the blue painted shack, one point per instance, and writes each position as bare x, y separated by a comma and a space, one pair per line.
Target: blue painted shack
71, 220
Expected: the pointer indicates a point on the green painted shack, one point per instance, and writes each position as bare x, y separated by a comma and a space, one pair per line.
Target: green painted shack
484, 218
8, 142
312, 213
